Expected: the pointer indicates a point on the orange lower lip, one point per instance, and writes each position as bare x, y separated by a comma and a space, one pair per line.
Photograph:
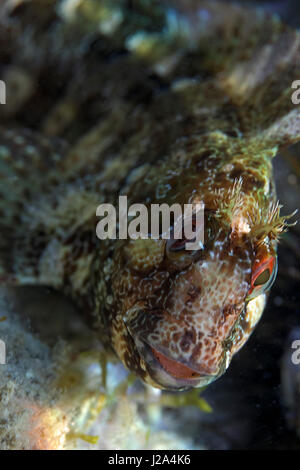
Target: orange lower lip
174, 368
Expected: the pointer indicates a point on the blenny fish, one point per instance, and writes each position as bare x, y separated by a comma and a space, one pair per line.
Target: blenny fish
165, 102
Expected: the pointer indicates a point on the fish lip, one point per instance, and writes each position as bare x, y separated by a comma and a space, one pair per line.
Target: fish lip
162, 377
155, 370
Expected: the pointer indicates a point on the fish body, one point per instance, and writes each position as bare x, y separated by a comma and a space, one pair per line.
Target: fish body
185, 102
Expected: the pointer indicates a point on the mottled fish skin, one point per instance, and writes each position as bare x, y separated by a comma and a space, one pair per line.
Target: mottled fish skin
165, 102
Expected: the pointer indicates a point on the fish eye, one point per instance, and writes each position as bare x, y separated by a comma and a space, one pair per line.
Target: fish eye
176, 248
177, 254
177, 245
263, 276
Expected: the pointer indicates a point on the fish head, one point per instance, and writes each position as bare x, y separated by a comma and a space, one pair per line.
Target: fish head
187, 313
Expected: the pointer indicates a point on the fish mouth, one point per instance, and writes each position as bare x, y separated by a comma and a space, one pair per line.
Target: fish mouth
165, 371
169, 373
